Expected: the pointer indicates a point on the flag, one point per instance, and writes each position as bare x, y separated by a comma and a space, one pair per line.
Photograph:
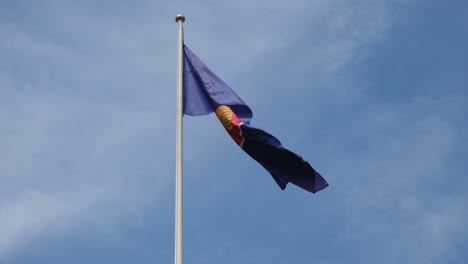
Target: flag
205, 93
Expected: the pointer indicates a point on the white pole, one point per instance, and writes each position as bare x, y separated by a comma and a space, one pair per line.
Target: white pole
178, 199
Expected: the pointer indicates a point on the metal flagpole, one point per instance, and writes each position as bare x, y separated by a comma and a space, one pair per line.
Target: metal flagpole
178, 199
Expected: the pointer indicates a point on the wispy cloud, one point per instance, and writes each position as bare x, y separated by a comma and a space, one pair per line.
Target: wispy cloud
70, 142
62, 157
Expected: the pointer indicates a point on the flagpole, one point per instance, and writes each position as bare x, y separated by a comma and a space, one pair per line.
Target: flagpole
180, 19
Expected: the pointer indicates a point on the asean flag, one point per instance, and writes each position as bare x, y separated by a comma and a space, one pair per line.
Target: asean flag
205, 93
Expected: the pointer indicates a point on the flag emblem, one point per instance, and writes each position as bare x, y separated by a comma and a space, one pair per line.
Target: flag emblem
231, 123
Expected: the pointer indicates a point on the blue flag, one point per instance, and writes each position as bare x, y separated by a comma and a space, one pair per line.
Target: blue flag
205, 93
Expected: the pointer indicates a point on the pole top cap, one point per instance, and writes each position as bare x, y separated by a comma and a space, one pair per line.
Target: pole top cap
180, 18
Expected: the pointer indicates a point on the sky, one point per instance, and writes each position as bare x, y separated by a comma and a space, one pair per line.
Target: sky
374, 94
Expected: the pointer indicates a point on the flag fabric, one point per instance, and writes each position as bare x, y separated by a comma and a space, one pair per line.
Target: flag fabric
205, 93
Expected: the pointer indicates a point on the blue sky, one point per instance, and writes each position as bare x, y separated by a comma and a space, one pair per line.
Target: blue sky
374, 94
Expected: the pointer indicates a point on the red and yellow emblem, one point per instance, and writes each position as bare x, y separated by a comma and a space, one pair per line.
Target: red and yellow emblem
231, 123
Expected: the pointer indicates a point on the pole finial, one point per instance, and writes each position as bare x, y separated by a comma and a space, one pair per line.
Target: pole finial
180, 18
